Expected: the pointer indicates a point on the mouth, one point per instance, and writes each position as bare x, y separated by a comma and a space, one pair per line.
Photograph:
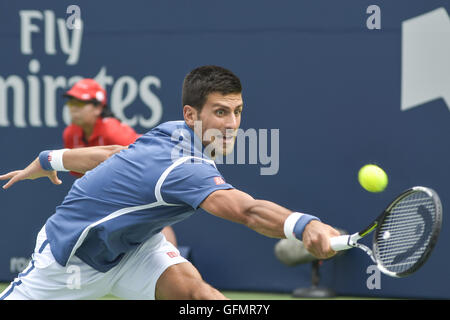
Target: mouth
226, 139
75, 120
223, 142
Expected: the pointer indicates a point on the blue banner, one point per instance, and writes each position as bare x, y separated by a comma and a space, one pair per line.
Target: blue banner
328, 87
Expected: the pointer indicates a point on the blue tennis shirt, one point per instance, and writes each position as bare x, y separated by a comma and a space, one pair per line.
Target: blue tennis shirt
159, 180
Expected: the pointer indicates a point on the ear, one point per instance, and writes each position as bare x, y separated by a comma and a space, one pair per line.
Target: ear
190, 115
98, 110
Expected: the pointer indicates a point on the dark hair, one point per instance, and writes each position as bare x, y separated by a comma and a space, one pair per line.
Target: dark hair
107, 113
207, 79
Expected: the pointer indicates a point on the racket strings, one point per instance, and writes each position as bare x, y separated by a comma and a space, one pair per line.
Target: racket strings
405, 233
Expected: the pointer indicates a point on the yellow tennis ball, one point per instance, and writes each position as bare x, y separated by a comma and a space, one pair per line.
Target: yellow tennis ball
372, 178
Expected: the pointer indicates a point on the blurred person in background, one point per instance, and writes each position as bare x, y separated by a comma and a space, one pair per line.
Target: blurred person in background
93, 124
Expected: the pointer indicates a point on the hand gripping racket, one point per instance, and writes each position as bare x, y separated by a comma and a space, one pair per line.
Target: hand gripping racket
405, 233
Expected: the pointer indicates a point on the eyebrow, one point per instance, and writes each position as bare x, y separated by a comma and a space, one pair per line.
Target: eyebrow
218, 105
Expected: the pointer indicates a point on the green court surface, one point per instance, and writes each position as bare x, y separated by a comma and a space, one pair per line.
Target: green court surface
235, 295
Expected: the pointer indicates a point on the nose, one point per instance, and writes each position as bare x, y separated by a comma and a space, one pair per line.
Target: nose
232, 122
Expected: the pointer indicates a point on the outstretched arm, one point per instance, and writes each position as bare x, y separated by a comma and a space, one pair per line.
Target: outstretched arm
78, 160
269, 219
84, 159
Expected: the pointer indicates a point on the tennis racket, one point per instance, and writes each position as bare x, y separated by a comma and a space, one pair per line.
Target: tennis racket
405, 233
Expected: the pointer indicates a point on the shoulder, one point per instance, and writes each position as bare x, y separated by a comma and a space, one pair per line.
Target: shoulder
116, 132
115, 124
110, 122
170, 127
194, 169
191, 182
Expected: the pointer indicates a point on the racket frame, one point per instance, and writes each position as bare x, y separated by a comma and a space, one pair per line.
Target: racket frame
434, 232
345, 242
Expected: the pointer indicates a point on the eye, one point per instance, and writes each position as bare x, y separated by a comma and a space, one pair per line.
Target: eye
220, 112
238, 111
75, 103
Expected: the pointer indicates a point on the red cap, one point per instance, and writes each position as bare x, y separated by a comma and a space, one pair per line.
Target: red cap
87, 90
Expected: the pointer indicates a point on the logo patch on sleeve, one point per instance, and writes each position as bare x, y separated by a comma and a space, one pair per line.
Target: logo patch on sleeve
172, 254
219, 180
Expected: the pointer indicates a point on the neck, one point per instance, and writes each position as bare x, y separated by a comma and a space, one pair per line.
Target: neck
87, 131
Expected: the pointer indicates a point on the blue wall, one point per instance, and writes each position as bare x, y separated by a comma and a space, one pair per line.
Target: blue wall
311, 69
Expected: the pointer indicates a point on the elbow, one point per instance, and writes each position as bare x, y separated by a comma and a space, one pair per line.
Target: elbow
113, 149
99, 156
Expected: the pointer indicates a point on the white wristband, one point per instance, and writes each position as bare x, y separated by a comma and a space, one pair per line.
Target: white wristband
56, 160
289, 224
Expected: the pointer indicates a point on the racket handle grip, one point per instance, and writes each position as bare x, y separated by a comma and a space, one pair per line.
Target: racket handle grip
340, 243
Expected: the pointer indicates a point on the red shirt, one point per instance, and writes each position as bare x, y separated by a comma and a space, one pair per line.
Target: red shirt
107, 131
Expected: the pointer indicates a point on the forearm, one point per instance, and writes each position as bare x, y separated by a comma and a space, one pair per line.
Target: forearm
85, 159
78, 160
271, 220
262, 216
267, 218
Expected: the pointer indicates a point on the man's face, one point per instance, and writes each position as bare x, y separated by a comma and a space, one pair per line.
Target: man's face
220, 118
83, 113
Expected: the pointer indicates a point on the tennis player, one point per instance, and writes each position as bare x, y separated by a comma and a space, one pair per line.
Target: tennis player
93, 124
105, 236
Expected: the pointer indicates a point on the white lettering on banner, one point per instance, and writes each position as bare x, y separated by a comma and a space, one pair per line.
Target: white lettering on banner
150, 100
18, 264
128, 85
34, 95
28, 26
16, 84
425, 59
31, 101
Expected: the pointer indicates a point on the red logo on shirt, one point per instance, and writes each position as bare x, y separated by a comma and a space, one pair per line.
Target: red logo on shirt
172, 254
219, 180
